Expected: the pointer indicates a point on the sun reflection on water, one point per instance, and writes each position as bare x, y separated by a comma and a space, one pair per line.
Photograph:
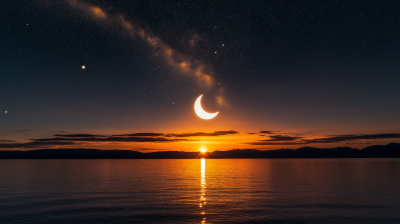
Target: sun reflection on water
203, 188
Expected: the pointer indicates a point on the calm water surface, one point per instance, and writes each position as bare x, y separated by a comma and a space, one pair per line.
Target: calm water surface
200, 191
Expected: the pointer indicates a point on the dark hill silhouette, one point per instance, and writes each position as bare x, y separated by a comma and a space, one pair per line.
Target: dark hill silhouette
391, 150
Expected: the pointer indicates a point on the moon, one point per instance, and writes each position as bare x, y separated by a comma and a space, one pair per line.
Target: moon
200, 112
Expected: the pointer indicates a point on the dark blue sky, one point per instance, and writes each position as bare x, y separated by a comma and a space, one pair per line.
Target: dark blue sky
311, 69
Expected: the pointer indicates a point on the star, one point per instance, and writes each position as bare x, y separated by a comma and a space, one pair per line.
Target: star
83, 67
6, 111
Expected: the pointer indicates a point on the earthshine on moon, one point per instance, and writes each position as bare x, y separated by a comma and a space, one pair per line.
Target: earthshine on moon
200, 112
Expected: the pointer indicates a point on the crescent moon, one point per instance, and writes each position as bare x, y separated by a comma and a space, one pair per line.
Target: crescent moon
200, 112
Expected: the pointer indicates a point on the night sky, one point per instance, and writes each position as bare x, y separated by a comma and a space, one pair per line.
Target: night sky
282, 74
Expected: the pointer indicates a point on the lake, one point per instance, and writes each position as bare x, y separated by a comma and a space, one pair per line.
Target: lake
200, 191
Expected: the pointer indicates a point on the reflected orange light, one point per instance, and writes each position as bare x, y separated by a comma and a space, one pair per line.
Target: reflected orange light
203, 185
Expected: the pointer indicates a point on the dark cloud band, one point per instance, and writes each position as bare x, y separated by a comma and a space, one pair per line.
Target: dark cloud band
291, 140
78, 139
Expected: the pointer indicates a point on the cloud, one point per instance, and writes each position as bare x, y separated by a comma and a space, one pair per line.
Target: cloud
280, 138
111, 139
79, 139
8, 141
132, 137
276, 143
36, 144
341, 138
80, 136
142, 134
216, 133
268, 132
19, 131
292, 140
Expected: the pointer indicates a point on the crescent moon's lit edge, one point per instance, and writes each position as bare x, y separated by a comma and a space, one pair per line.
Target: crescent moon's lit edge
202, 113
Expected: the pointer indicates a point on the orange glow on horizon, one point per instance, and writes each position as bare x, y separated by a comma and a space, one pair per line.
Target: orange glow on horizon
201, 140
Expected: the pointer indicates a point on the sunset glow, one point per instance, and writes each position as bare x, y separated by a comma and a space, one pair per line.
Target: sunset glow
151, 89
199, 111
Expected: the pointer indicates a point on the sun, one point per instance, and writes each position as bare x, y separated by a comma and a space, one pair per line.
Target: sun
203, 150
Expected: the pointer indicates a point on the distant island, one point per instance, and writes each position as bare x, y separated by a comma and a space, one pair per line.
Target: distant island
392, 150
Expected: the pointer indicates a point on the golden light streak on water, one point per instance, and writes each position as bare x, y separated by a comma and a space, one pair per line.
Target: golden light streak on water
203, 187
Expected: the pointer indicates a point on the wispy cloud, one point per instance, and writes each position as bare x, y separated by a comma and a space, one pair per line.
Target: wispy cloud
79, 139
80, 136
110, 139
268, 132
296, 140
279, 138
19, 131
216, 133
6, 141
141, 135
36, 144
341, 138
